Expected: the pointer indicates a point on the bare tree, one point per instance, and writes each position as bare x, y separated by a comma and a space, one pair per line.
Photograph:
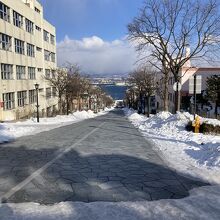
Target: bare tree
59, 80
67, 82
145, 81
166, 28
73, 87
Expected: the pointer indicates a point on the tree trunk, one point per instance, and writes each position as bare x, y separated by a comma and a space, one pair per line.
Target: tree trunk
148, 106
79, 103
67, 105
177, 94
177, 101
144, 104
165, 101
216, 109
60, 104
140, 103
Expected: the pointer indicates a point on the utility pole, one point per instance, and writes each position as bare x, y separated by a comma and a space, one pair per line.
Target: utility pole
195, 87
37, 90
194, 94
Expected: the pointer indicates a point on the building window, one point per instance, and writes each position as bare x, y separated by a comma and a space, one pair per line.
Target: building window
169, 81
47, 73
54, 92
52, 39
39, 69
53, 74
47, 55
19, 46
32, 96
18, 19
5, 42
7, 71
30, 50
22, 98
37, 10
9, 100
29, 26
46, 36
4, 12
31, 73
53, 57
37, 28
48, 93
39, 49
20, 72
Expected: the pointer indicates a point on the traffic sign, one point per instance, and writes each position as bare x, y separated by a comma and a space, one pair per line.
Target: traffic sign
175, 86
198, 84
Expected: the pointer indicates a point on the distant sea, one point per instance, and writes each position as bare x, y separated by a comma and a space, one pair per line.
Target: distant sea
116, 92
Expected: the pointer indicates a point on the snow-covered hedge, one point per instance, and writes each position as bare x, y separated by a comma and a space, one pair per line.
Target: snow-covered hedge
208, 126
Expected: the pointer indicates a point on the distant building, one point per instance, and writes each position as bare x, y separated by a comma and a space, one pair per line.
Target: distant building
186, 72
27, 53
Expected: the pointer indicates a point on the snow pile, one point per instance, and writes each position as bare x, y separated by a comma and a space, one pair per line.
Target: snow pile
214, 122
203, 203
194, 154
10, 131
84, 114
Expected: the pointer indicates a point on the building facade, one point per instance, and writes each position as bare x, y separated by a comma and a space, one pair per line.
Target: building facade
27, 55
185, 74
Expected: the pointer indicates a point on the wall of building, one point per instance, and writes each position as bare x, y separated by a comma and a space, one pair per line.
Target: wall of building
33, 11
185, 73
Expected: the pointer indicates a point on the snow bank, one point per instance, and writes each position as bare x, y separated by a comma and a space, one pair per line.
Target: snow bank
214, 122
195, 154
203, 203
10, 131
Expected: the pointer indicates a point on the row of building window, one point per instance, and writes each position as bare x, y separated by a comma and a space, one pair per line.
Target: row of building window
50, 92
22, 98
9, 99
49, 56
18, 21
6, 44
7, 72
49, 37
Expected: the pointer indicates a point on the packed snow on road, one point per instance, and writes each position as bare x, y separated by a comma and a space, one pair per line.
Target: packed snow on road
10, 131
203, 203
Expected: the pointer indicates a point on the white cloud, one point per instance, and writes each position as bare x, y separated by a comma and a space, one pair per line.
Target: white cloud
94, 55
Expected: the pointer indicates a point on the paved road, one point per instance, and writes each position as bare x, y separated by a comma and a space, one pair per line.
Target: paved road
101, 159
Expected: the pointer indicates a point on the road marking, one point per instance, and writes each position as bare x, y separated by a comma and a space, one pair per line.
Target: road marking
19, 186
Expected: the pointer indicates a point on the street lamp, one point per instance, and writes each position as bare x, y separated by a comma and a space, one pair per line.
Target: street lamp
85, 96
93, 103
37, 89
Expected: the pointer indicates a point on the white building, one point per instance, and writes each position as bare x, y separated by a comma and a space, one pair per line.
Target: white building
186, 72
27, 54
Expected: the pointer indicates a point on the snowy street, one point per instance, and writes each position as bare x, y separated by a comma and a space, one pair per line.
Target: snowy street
102, 159
105, 159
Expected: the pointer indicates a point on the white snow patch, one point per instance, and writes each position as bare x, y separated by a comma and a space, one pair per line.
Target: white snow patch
203, 203
189, 153
10, 131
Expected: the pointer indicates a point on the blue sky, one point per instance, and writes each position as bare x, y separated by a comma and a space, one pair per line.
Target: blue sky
92, 33
84, 18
